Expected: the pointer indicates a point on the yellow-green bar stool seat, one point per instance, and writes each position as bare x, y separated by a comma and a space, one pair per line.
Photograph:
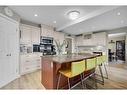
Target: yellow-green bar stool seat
99, 60
77, 68
90, 63
104, 58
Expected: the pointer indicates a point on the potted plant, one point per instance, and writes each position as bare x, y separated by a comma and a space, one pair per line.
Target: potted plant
60, 46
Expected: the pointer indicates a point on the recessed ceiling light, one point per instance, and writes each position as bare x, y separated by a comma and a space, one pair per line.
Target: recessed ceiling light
54, 21
35, 15
73, 14
118, 13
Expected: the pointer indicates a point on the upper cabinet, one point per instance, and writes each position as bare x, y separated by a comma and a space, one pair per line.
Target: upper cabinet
35, 35
58, 36
94, 39
47, 31
100, 38
25, 35
29, 34
79, 41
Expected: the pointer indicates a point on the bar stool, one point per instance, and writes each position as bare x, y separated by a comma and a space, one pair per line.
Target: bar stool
89, 65
77, 68
99, 61
104, 59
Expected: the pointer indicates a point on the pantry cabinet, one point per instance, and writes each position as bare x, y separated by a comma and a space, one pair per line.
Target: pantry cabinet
9, 50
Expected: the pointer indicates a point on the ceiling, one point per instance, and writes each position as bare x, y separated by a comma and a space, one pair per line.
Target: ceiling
92, 18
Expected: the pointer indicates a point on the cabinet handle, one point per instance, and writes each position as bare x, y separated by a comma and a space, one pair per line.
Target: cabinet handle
20, 34
7, 55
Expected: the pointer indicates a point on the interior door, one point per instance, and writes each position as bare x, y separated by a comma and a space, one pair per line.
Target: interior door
8, 51
3, 54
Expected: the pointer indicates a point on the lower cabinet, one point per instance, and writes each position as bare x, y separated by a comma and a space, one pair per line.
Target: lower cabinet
29, 63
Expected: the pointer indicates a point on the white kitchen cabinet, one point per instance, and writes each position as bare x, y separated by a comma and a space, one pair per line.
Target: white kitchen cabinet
88, 42
30, 34
25, 34
29, 63
99, 39
47, 31
79, 40
35, 36
9, 50
95, 40
58, 36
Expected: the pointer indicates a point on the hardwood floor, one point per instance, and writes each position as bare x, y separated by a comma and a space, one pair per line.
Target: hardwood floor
117, 79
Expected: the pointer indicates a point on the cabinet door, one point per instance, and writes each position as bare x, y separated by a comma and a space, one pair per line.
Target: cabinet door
61, 37
79, 41
26, 34
99, 38
44, 32
8, 51
35, 35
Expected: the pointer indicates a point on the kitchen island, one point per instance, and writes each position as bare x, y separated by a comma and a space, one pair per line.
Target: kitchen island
52, 64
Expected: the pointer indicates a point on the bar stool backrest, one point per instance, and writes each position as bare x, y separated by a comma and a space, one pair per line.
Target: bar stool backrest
99, 60
104, 58
90, 63
77, 67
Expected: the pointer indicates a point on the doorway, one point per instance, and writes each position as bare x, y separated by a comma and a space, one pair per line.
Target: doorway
116, 48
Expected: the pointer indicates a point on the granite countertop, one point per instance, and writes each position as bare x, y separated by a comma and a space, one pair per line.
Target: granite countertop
69, 58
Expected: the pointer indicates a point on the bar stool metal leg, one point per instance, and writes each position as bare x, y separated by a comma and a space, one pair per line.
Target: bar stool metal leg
106, 71
82, 80
58, 81
95, 81
69, 83
101, 74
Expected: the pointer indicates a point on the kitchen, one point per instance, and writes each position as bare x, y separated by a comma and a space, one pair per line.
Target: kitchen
36, 40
